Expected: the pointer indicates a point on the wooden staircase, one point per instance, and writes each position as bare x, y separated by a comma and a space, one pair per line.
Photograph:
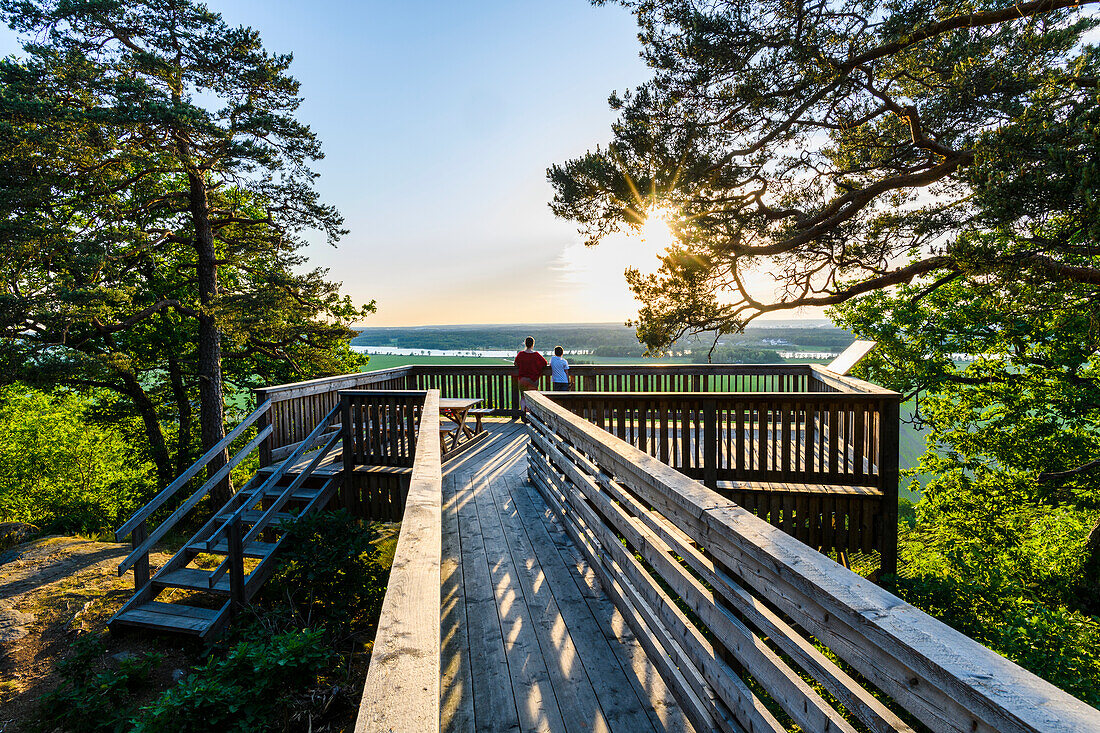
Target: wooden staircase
244, 536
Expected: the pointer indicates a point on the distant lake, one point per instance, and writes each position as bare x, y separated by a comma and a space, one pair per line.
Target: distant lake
400, 351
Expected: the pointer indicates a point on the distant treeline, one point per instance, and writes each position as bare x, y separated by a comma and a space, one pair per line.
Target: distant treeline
601, 339
737, 355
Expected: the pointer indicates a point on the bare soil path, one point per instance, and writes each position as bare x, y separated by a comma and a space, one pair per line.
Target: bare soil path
51, 590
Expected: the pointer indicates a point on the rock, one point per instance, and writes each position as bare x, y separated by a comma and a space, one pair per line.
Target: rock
178, 674
123, 656
13, 622
15, 533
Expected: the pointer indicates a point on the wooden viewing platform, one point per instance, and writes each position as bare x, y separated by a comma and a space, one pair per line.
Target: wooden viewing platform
529, 640
647, 554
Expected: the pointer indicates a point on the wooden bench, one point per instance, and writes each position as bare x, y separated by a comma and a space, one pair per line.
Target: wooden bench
479, 414
444, 435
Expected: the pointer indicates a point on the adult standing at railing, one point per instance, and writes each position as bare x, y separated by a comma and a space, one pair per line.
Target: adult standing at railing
530, 365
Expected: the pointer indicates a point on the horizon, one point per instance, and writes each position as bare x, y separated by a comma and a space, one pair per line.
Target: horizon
573, 324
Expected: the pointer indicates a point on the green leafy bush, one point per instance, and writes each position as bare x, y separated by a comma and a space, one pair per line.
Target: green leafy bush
93, 697
246, 690
1008, 572
330, 574
61, 471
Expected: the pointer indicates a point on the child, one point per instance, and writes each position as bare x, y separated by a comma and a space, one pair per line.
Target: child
559, 371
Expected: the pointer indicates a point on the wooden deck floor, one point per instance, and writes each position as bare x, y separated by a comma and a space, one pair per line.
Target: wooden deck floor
529, 640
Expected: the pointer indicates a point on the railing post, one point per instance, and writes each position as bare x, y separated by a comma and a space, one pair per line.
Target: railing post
348, 490
263, 422
888, 475
710, 443
236, 565
141, 567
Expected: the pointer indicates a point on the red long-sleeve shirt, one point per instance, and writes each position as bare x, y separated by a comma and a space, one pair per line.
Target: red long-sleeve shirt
530, 364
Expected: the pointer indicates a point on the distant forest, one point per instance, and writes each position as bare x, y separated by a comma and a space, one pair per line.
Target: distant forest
607, 339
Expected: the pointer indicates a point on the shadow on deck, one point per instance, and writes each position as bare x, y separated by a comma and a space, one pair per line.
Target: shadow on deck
529, 640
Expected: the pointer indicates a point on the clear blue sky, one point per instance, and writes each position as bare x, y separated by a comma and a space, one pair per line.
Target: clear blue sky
438, 121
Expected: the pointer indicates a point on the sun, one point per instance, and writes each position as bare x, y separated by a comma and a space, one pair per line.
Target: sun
656, 231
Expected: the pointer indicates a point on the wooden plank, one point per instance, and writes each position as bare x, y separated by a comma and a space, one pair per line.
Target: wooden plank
456, 682
565, 663
621, 705
658, 702
535, 698
691, 691
494, 703
162, 621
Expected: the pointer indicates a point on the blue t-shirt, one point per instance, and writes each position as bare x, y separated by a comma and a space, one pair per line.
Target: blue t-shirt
558, 369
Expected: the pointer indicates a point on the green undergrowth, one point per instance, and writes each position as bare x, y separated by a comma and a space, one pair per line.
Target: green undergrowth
295, 659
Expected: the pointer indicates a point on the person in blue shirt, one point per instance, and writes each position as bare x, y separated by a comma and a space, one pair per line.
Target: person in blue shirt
559, 370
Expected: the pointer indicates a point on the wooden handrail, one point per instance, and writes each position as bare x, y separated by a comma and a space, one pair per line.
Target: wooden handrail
143, 548
227, 565
169, 491
271, 480
402, 690
607, 493
848, 384
282, 392
739, 396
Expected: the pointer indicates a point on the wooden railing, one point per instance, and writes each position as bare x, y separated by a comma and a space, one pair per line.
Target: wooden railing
379, 440
812, 452
496, 384
823, 467
402, 691
810, 437
296, 408
735, 613
142, 540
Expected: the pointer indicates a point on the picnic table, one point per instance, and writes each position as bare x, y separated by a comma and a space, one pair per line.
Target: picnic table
457, 409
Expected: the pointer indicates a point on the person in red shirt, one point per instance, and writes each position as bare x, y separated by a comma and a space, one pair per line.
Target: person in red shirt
529, 368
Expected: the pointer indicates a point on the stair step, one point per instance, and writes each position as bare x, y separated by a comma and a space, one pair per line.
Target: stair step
302, 493
175, 617
251, 517
192, 579
252, 549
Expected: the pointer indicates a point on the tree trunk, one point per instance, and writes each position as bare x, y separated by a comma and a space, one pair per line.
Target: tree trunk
153, 432
1092, 553
183, 410
211, 402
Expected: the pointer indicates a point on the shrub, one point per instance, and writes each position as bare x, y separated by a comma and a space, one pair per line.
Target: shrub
61, 471
92, 697
249, 689
287, 659
330, 574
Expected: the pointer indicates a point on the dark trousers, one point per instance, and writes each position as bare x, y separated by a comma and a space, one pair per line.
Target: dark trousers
561, 386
